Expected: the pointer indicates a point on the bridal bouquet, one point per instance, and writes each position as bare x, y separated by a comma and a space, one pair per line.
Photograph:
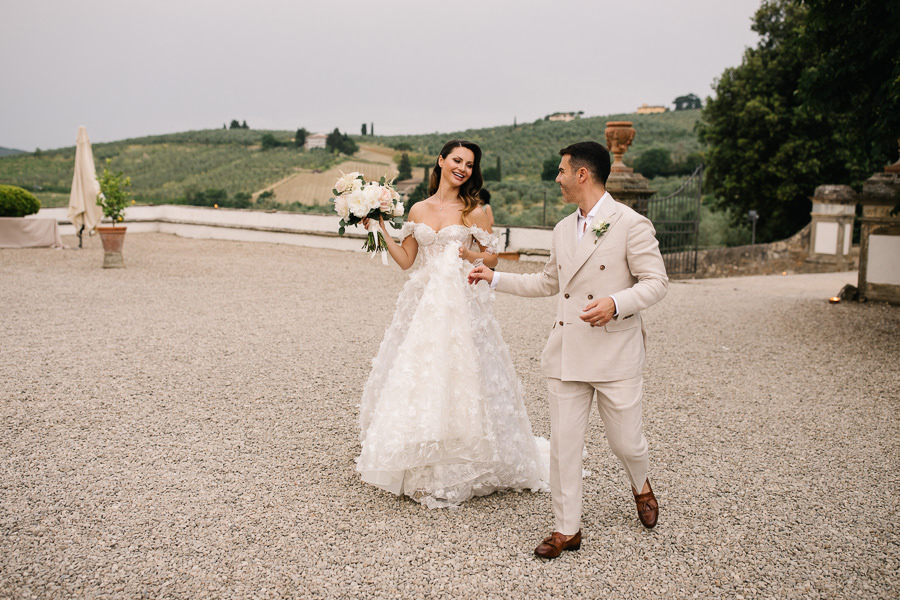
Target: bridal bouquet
356, 199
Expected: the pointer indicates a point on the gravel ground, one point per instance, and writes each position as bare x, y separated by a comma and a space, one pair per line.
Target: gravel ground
186, 427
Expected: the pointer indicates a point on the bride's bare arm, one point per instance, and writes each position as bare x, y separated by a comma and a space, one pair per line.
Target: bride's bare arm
404, 254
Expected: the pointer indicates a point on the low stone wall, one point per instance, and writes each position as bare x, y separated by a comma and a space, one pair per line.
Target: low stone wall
518, 243
785, 256
313, 230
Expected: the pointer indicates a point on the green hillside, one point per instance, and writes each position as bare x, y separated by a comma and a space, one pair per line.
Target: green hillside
166, 168
522, 149
231, 162
521, 198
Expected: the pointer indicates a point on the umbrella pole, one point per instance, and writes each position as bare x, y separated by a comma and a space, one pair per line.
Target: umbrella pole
80, 231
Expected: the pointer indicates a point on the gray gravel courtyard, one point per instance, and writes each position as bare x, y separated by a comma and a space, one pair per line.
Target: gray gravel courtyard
186, 428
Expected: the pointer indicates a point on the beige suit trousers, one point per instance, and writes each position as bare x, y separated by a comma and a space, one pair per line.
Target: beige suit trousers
619, 404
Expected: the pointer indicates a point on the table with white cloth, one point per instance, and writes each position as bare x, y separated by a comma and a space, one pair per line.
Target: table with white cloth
22, 232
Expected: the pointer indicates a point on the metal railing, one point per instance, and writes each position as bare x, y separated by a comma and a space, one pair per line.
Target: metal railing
676, 218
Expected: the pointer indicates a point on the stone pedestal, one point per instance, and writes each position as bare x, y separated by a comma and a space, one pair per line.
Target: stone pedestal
879, 246
626, 186
631, 189
831, 230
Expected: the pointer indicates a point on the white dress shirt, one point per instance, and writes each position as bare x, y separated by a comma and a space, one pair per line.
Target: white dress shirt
584, 223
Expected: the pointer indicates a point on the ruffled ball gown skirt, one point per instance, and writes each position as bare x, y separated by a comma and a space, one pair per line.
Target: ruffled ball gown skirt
442, 416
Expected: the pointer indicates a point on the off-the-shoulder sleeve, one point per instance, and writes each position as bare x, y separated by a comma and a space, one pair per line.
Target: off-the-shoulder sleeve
490, 241
407, 230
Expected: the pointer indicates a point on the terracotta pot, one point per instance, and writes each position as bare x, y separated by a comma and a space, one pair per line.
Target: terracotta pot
113, 238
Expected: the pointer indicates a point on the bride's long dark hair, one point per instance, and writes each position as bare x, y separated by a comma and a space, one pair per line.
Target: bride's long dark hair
468, 192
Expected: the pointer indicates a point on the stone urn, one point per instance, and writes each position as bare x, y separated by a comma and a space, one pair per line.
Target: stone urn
112, 238
619, 135
626, 186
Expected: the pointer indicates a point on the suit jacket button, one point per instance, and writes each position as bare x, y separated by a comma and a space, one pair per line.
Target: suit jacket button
566, 296
602, 267
590, 296
560, 323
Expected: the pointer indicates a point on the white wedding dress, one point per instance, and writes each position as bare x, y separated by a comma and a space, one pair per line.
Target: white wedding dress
442, 416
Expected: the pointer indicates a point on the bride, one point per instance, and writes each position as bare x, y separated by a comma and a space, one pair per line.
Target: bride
442, 417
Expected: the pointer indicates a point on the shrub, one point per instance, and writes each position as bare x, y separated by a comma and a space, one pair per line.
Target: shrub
114, 194
16, 202
654, 162
550, 169
268, 141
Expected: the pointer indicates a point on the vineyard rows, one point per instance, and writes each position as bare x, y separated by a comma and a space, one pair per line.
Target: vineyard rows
315, 188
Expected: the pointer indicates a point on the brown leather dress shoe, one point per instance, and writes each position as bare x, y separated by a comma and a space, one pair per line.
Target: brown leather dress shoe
554, 545
647, 507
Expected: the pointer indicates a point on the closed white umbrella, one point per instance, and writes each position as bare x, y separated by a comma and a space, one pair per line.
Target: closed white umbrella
83, 209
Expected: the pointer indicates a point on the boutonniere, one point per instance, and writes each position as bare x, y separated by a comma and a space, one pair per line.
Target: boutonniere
599, 229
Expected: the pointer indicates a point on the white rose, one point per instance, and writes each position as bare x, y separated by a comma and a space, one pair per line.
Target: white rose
398, 209
348, 183
372, 193
356, 203
340, 207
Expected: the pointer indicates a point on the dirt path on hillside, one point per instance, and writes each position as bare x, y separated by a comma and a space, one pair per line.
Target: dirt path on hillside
314, 188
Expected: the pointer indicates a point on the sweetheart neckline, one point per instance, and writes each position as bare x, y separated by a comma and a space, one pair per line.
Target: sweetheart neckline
436, 231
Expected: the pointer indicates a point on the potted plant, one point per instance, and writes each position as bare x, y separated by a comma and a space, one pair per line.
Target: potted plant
113, 198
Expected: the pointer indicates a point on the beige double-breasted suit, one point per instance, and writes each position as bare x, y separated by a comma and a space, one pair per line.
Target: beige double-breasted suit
579, 359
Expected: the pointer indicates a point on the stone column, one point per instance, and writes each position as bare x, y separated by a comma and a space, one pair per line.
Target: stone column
879, 246
831, 230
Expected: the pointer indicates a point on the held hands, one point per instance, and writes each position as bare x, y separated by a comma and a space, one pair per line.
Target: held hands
598, 313
480, 273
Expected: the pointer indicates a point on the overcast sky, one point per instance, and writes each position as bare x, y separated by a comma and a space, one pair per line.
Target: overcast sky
129, 68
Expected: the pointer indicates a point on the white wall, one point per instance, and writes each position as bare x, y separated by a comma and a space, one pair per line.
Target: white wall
298, 229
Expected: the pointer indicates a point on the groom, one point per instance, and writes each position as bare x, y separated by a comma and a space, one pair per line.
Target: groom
606, 267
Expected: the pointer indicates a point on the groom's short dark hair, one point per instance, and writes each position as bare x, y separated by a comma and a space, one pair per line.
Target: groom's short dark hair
591, 155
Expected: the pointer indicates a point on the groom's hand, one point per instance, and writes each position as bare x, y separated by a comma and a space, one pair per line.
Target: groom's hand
481, 273
599, 312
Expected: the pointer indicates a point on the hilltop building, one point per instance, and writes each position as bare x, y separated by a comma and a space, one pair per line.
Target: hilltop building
651, 110
315, 140
564, 116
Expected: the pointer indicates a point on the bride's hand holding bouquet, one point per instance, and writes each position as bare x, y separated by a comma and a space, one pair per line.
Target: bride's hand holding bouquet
357, 201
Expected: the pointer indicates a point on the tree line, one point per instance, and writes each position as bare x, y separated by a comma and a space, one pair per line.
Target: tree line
817, 101
335, 142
